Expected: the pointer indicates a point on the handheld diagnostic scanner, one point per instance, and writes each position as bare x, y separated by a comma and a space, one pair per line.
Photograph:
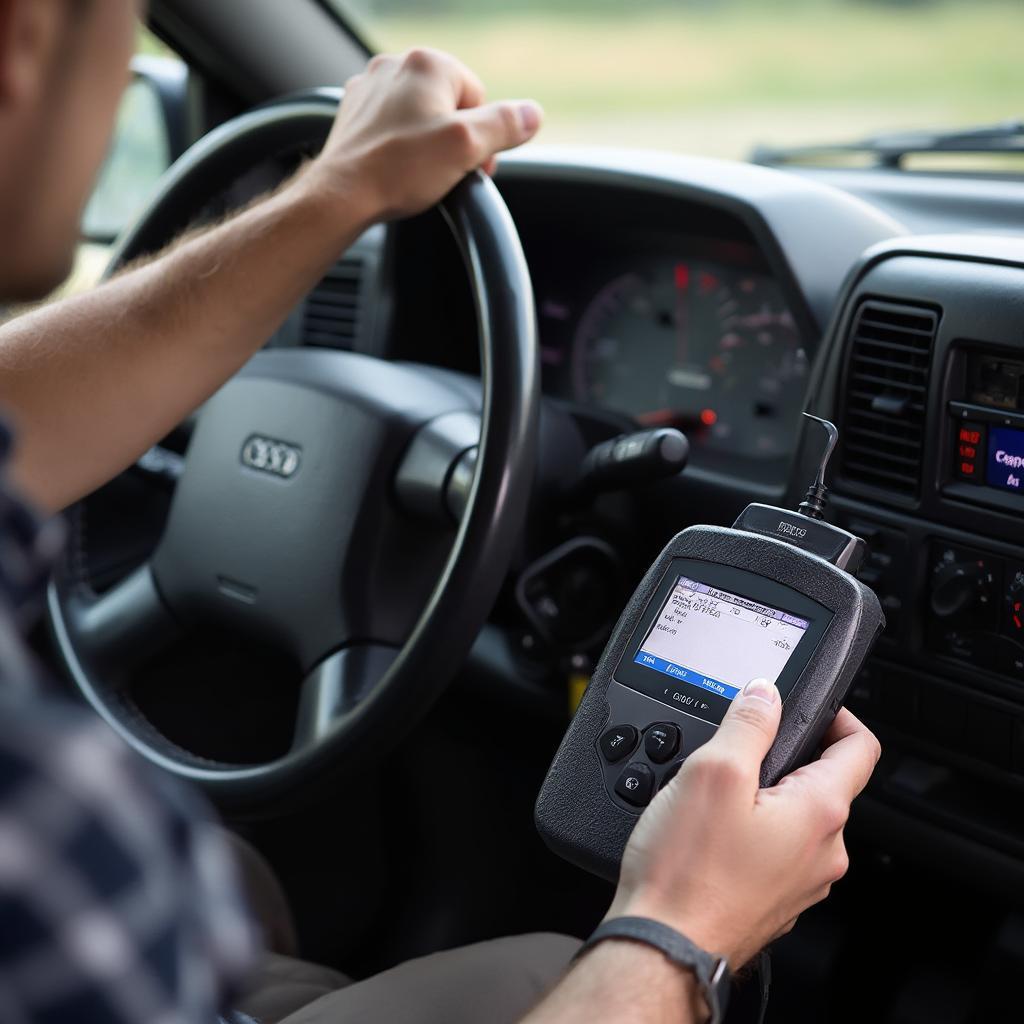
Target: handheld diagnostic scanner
773, 596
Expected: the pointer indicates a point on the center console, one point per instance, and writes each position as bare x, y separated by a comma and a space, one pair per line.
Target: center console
925, 378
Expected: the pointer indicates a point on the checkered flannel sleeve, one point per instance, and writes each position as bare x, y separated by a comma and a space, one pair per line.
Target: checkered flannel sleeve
118, 901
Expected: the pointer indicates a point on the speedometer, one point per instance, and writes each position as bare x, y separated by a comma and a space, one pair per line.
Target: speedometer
709, 348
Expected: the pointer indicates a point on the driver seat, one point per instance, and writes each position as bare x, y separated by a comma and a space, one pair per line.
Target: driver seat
496, 981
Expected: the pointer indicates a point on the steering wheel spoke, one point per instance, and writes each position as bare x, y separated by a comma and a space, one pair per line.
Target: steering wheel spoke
335, 688
118, 631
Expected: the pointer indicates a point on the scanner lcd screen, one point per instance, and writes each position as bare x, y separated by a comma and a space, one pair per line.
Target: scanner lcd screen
718, 641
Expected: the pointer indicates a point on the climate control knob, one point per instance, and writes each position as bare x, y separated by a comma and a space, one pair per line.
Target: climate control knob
961, 588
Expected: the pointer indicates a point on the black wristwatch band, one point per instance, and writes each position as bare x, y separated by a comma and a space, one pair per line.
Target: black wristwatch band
711, 972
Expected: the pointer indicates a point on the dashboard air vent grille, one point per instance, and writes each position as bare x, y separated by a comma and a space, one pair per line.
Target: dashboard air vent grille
886, 395
332, 311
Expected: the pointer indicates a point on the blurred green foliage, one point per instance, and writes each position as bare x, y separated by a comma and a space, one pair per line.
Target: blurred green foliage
718, 76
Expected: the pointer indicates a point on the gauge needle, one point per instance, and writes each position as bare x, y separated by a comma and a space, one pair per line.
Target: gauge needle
682, 276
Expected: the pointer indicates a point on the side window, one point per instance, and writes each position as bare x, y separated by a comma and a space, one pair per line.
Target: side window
148, 136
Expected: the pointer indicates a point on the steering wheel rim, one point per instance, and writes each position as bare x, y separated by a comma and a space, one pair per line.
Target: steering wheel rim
485, 537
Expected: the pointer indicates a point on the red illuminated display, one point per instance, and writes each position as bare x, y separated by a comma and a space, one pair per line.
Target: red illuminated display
970, 447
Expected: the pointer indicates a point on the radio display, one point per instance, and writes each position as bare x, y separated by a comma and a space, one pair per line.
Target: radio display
1005, 466
718, 641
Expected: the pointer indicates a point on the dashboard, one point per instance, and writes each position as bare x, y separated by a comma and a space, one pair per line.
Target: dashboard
653, 311
723, 300
731, 301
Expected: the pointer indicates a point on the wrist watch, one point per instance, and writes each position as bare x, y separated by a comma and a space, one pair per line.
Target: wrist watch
711, 972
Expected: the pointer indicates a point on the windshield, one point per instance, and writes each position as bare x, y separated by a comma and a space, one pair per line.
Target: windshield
720, 77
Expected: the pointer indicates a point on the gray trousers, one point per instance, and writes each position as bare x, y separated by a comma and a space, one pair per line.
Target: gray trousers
494, 982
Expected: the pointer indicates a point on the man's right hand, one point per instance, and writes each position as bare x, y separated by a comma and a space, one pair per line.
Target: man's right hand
731, 865
409, 128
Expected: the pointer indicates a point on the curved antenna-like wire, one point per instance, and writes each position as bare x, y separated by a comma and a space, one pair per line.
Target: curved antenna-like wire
833, 439
816, 499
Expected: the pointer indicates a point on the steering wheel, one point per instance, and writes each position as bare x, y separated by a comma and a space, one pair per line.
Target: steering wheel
358, 514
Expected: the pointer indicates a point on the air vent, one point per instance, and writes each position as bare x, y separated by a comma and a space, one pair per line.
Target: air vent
332, 311
886, 395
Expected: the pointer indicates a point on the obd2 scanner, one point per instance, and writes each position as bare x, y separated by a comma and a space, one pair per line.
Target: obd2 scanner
773, 596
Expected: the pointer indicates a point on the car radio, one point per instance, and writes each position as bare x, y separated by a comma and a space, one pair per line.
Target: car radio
774, 597
986, 415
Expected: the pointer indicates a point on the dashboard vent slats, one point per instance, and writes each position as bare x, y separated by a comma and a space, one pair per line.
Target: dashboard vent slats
889, 363
331, 317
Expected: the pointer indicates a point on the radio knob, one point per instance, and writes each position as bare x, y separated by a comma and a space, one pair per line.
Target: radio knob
958, 587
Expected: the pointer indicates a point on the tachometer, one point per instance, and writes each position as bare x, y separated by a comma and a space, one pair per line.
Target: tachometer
709, 348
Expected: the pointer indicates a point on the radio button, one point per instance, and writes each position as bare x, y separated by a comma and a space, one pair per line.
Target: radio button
661, 741
636, 784
618, 742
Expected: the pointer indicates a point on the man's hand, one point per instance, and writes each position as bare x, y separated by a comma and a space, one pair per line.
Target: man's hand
410, 127
731, 865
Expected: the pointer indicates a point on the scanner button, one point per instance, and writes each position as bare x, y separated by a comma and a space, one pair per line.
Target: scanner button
636, 784
661, 741
618, 742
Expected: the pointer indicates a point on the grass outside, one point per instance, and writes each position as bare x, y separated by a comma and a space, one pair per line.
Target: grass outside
717, 80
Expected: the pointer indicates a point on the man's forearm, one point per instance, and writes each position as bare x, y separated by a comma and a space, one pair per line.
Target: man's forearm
90, 383
622, 981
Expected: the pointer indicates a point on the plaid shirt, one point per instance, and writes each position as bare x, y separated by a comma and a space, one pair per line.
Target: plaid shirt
118, 902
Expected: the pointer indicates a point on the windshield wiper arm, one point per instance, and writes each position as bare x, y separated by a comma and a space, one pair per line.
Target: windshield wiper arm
889, 150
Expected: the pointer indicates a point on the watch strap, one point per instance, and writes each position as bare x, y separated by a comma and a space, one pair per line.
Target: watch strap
711, 972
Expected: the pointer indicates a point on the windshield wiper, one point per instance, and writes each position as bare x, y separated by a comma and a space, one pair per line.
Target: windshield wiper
890, 150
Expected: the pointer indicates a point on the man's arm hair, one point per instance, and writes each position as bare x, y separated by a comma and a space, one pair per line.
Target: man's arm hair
91, 382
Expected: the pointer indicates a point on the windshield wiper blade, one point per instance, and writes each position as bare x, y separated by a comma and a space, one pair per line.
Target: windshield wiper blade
889, 150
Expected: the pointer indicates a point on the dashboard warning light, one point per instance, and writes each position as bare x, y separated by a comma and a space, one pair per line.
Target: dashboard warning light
708, 417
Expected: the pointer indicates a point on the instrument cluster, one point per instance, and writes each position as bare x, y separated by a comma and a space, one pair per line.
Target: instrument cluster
694, 333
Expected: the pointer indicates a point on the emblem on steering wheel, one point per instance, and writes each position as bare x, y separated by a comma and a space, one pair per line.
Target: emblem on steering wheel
266, 455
